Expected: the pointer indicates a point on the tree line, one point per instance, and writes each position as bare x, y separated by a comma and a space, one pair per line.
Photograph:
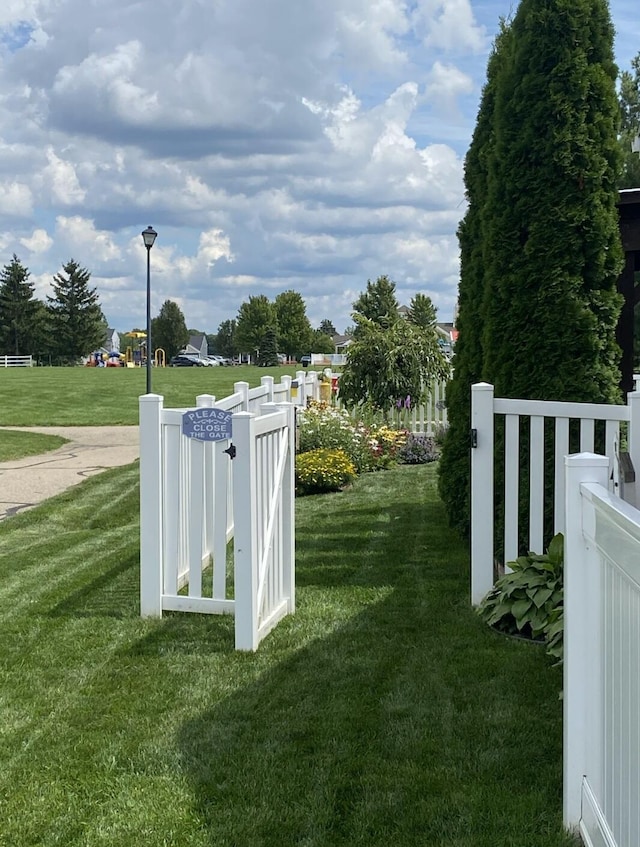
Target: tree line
65, 327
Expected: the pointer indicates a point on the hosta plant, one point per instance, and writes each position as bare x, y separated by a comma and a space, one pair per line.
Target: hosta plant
320, 471
529, 601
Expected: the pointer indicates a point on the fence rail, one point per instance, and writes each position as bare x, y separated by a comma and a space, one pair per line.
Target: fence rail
529, 416
601, 658
16, 361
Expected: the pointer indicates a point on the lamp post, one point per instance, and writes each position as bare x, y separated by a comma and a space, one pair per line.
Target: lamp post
149, 236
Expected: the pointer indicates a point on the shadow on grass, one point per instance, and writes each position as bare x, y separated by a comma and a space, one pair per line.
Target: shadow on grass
393, 717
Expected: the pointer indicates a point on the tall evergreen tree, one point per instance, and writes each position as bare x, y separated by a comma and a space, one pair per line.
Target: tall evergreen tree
422, 312
20, 325
169, 330
294, 329
540, 242
455, 463
378, 303
269, 350
76, 323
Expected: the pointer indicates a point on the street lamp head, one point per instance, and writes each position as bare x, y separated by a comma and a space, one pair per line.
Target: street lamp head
149, 236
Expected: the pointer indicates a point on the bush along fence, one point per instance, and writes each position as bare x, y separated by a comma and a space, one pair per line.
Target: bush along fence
601, 780
223, 469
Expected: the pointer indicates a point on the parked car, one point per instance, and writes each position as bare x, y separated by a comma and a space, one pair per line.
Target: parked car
185, 360
305, 360
209, 361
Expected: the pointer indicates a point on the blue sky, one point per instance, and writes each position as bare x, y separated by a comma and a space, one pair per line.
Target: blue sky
273, 144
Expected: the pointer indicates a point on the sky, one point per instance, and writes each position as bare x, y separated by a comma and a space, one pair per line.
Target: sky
274, 145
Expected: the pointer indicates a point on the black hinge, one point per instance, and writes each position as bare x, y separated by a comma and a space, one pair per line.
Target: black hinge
231, 450
474, 437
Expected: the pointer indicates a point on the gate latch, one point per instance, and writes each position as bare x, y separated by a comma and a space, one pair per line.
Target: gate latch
474, 437
231, 450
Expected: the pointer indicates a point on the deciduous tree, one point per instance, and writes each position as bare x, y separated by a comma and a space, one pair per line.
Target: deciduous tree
388, 364
169, 330
294, 329
255, 317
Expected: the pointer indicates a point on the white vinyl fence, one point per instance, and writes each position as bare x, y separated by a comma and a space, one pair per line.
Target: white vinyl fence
484, 410
16, 361
429, 418
601, 795
196, 495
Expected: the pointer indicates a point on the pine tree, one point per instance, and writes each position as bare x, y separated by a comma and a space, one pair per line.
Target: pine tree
76, 323
169, 330
269, 351
20, 325
422, 312
255, 317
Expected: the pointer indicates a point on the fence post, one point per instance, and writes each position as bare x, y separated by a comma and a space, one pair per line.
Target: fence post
482, 429
286, 382
301, 377
151, 558
288, 506
581, 633
267, 381
245, 542
243, 389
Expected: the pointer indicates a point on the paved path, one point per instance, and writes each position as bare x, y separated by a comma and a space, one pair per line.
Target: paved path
91, 449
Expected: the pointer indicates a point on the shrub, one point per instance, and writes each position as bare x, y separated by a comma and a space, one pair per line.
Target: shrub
368, 447
320, 471
529, 601
418, 449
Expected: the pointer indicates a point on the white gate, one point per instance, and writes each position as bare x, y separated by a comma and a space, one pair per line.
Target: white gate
484, 409
196, 495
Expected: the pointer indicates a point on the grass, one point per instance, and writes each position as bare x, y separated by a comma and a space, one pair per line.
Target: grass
383, 712
15, 444
109, 396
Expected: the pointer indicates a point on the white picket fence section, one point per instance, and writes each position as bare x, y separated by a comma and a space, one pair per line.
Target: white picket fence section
429, 418
601, 791
16, 361
484, 409
194, 498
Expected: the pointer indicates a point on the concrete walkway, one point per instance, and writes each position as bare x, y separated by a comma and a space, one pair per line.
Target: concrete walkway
26, 482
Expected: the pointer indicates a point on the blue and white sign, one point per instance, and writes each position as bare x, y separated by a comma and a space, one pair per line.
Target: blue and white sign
207, 424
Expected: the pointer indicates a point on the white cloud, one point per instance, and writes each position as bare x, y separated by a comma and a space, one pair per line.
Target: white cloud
38, 242
15, 199
62, 180
82, 238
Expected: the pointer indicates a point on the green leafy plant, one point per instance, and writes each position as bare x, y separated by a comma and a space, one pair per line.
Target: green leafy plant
529, 601
324, 470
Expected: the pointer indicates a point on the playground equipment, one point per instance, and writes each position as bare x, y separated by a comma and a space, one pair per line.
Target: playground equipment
160, 357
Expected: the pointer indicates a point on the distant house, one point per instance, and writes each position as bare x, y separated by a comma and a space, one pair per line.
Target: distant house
111, 340
341, 342
404, 312
197, 345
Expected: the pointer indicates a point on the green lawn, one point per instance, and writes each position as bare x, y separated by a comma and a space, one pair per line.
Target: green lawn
383, 713
15, 444
109, 396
